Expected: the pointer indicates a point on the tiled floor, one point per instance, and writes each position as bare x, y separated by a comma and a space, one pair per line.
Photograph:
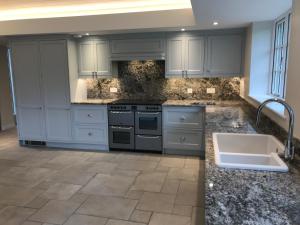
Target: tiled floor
40, 186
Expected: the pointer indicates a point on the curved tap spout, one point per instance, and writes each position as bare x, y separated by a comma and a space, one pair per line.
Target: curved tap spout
289, 147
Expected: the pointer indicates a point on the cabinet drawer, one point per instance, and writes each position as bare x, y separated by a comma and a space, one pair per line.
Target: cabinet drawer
184, 117
85, 134
90, 115
183, 139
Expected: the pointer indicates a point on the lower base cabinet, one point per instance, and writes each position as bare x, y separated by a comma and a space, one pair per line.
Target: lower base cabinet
183, 130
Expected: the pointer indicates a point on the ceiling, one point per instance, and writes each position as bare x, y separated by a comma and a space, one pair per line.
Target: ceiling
18, 17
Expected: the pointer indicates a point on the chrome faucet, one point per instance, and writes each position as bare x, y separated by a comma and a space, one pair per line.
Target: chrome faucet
289, 150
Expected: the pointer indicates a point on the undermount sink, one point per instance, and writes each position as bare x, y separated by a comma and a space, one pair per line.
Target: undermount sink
248, 151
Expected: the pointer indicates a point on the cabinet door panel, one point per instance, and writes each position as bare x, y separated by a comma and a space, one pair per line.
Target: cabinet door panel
194, 59
103, 64
224, 55
86, 58
54, 68
175, 57
30, 114
25, 59
31, 123
58, 123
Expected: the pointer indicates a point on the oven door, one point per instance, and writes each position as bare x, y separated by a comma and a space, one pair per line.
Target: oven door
121, 118
148, 123
121, 137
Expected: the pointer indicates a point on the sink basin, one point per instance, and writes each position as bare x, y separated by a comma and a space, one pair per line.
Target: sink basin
248, 151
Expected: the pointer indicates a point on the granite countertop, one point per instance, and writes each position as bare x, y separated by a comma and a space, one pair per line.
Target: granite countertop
240, 197
94, 101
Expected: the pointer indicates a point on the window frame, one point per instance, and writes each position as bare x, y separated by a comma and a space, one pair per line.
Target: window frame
287, 19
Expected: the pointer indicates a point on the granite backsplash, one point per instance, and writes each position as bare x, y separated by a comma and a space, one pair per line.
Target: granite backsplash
145, 80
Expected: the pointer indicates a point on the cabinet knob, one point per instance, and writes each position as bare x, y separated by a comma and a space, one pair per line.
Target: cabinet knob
182, 139
90, 134
90, 115
183, 118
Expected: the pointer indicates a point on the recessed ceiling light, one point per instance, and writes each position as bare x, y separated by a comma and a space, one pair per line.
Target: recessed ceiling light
77, 36
215, 23
87, 34
182, 29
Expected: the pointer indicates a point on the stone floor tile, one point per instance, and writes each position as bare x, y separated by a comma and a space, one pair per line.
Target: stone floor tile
122, 222
37, 203
156, 202
198, 217
170, 186
71, 177
141, 216
31, 223
195, 163
151, 181
61, 191
172, 162
126, 173
134, 194
102, 157
190, 193
110, 207
188, 174
55, 211
17, 196
137, 165
182, 210
104, 184
102, 167
12, 215
76, 219
169, 219
79, 197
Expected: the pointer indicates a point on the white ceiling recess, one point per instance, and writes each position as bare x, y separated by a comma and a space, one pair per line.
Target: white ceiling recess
237, 13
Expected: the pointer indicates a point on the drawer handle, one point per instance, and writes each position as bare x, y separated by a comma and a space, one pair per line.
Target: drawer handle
182, 139
90, 134
183, 118
90, 115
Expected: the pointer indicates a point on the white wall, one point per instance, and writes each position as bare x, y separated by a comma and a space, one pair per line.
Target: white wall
293, 73
6, 111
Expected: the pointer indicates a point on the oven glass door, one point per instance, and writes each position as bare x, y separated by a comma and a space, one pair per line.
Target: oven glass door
148, 123
121, 137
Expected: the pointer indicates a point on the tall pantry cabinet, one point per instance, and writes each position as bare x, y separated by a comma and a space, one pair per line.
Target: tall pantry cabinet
41, 79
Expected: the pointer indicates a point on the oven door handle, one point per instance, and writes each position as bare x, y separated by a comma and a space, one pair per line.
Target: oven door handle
120, 112
149, 137
149, 113
122, 128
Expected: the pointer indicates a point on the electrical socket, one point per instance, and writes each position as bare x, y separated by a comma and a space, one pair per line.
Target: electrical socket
210, 90
113, 90
190, 90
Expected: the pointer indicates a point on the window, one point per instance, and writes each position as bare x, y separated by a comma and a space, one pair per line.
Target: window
278, 78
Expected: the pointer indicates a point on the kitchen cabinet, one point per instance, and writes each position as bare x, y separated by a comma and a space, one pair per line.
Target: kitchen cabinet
94, 58
185, 56
183, 130
90, 124
55, 86
29, 100
224, 55
40, 70
129, 48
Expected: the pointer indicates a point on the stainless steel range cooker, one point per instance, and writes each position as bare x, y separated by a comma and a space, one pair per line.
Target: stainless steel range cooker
134, 125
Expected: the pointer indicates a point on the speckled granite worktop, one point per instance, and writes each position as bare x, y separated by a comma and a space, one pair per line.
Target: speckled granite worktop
94, 101
240, 197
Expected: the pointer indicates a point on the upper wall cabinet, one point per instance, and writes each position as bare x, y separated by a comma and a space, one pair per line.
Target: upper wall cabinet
94, 58
137, 49
185, 56
224, 55
202, 55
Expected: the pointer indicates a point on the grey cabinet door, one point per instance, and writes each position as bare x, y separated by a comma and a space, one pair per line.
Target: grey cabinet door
54, 70
86, 58
102, 58
30, 114
175, 57
194, 56
224, 55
